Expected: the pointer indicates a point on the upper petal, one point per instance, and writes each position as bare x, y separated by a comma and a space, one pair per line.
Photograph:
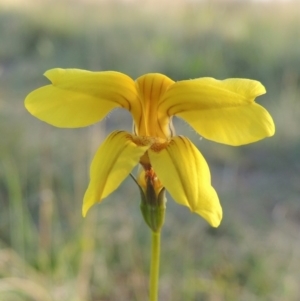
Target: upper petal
184, 172
222, 111
79, 98
112, 163
151, 87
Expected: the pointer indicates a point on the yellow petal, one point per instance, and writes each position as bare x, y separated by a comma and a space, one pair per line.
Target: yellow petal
79, 98
222, 111
184, 172
112, 163
155, 123
233, 126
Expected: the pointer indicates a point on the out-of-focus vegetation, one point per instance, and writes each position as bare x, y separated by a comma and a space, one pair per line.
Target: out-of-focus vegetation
49, 252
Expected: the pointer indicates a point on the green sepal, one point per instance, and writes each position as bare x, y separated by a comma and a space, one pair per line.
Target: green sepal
153, 210
153, 207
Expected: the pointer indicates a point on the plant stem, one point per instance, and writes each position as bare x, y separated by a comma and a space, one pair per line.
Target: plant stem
154, 268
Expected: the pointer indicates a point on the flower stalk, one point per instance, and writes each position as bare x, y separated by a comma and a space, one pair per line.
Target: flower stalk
154, 268
153, 207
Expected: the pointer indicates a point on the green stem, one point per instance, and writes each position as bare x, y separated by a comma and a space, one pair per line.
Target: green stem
154, 268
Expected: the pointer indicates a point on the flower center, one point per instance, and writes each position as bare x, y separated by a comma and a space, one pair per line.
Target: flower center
157, 144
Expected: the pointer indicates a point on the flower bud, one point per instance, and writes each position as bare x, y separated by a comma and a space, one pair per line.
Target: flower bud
153, 200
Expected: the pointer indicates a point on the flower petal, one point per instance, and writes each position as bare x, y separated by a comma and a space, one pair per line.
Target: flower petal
112, 163
232, 126
222, 111
79, 98
151, 88
184, 172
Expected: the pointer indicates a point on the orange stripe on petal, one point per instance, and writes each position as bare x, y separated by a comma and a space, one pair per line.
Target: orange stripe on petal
151, 88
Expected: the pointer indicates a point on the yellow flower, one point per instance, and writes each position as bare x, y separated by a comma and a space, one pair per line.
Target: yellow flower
222, 111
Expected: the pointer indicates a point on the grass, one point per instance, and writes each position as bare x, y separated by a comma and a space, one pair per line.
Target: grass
49, 252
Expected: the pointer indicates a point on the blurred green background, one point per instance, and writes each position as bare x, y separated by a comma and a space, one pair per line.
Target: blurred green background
49, 252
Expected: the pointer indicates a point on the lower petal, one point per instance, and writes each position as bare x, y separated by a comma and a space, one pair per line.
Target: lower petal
113, 162
185, 174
